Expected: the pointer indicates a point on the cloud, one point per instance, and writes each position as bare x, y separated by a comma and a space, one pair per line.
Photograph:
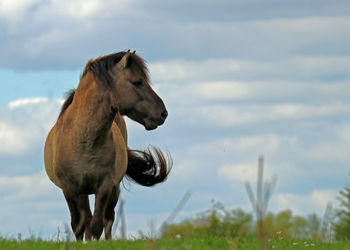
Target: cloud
12, 140
25, 122
344, 133
238, 172
19, 188
228, 102
334, 150
184, 170
48, 10
248, 170
31, 201
221, 89
77, 9
12, 10
315, 201
230, 115
267, 144
26, 101
330, 151
62, 35
294, 68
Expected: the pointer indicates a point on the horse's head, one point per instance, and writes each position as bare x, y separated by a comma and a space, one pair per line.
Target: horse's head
132, 94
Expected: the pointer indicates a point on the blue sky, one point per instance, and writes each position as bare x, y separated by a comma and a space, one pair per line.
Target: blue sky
239, 78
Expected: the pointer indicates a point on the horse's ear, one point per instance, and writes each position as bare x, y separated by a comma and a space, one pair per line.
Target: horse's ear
123, 63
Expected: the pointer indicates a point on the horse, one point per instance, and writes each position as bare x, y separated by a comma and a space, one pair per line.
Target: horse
86, 151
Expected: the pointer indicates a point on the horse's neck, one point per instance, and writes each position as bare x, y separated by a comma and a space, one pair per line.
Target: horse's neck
93, 115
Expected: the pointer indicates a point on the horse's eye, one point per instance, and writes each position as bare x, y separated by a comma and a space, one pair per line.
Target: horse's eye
137, 84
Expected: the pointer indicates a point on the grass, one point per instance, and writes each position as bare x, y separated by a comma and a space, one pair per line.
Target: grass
174, 243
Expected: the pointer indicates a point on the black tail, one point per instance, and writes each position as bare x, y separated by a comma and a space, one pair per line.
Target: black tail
147, 168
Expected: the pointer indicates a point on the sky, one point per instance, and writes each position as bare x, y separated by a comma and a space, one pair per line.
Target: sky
239, 78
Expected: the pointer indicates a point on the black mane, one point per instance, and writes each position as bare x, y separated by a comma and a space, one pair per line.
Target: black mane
101, 66
68, 101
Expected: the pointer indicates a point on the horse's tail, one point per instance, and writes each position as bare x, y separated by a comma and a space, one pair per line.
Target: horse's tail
148, 168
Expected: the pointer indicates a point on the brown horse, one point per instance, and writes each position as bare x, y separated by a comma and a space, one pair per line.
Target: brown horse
86, 151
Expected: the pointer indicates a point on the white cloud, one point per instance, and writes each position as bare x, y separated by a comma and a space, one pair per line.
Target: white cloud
295, 86
295, 67
12, 140
176, 70
323, 64
81, 9
273, 91
21, 188
303, 204
233, 115
344, 134
251, 145
72, 27
248, 171
14, 9
239, 172
222, 91
25, 123
322, 197
334, 150
230, 103
27, 101
78, 9
31, 201
183, 170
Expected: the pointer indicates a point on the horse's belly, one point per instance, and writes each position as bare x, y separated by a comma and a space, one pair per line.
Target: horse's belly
50, 158
85, 170
121, 159
88, 172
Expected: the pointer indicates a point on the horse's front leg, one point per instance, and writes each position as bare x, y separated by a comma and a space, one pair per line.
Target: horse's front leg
87, 216
109, 212
80, 212
101, 201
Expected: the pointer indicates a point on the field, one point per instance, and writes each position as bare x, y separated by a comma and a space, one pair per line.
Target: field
176, 243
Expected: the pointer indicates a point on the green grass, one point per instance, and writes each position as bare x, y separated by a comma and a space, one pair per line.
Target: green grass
209, 243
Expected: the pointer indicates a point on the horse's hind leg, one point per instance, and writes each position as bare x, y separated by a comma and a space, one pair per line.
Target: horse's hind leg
109, 212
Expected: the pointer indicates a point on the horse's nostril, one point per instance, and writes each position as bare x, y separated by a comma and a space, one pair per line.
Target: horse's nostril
164, 114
